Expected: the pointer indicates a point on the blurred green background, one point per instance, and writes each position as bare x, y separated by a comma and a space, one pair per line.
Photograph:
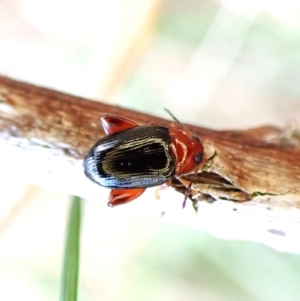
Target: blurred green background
219, 64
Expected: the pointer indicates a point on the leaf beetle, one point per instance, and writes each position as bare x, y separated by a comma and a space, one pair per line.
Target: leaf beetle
131, 158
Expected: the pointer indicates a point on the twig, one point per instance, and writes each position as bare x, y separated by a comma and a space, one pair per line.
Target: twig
252, 176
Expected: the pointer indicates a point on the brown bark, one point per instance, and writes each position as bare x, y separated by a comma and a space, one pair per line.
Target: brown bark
252, 176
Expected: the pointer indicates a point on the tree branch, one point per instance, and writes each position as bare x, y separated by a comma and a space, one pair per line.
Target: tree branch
250, 178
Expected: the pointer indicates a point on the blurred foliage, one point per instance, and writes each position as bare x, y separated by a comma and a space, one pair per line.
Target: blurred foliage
185, 262
69, 279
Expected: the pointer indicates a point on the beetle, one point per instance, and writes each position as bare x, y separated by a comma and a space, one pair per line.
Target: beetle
131, 158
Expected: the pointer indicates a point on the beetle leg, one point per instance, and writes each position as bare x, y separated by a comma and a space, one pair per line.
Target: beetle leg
112, 124
162, 187
183, 181
123, 196
188, 185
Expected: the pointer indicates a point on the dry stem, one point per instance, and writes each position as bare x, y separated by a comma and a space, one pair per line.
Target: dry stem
253, 176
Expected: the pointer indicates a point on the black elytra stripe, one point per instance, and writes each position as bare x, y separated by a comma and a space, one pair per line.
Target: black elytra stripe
138, 157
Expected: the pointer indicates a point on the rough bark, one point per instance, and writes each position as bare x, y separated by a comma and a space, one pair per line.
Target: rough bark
250, 179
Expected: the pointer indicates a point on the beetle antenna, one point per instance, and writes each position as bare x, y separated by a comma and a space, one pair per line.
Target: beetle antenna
189, 188
171, 114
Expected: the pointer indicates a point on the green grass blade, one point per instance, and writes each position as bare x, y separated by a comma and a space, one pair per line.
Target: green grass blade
69, 279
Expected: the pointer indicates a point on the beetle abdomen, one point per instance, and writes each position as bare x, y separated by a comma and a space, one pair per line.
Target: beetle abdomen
138, 157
